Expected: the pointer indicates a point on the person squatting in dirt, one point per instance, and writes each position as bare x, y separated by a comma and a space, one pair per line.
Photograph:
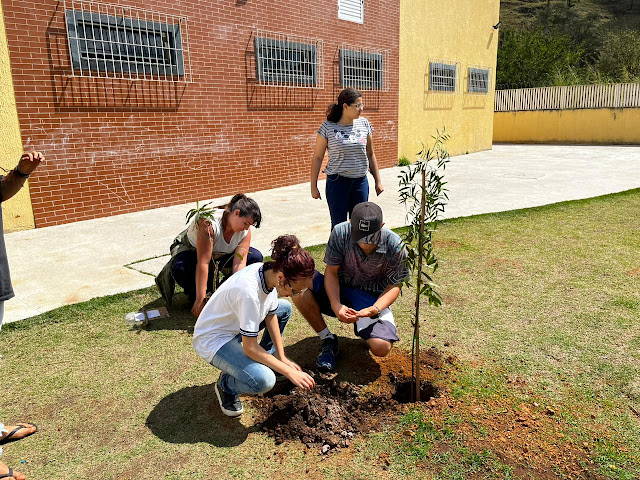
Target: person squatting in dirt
226, 332
365, 268
224, 240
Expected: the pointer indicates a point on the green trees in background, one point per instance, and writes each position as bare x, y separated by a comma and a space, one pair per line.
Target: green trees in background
565, 47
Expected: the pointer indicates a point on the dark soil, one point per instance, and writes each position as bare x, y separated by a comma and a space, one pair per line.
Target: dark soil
335, 411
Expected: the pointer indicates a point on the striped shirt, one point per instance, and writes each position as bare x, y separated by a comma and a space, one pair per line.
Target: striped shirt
347, 146
374, 272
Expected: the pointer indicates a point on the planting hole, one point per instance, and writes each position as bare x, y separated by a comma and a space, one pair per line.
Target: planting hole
403, 391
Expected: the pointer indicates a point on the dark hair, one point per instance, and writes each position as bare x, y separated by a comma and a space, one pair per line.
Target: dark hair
290, 258
348, 96
247, 206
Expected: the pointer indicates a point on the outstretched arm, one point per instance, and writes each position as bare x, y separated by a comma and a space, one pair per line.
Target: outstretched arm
373, 166
241, 253
278, 362
386, 298
14, 180
204, 249
332, 286
316, 163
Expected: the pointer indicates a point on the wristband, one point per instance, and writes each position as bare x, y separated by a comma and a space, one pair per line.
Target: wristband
376, 307
20, 174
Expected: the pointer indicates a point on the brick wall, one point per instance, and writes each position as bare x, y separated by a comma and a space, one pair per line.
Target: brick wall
115, 146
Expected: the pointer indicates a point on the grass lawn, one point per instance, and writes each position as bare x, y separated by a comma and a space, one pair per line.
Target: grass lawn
541, 312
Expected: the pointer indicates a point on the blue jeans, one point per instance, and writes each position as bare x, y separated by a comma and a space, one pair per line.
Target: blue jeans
344, 193
184, 266
241, 375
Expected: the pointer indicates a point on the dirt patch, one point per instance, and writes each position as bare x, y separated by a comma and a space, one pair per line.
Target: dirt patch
634, 272
528, 437
335, 411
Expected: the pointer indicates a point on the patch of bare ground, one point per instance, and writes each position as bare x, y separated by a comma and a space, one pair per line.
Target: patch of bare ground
527, 438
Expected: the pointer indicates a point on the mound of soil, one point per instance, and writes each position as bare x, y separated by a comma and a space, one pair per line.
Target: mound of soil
329, 416
334, 412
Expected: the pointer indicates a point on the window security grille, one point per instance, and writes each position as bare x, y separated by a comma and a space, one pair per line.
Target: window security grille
478, 80
114, 40
361, 70
288, 61
351, 10
443, 76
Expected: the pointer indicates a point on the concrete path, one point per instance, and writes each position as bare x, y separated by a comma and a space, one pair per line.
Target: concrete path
65, 264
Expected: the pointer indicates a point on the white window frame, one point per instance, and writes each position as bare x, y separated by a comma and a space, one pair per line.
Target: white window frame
351, 10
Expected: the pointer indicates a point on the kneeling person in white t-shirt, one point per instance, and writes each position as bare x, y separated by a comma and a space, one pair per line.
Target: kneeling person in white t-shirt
226, 333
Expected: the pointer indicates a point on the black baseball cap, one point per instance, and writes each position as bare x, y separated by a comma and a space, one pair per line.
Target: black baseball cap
366, 223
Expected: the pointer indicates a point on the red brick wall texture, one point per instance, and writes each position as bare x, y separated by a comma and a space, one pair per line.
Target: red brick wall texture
115, 146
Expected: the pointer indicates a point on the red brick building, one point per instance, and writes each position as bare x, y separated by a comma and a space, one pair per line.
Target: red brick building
221, 117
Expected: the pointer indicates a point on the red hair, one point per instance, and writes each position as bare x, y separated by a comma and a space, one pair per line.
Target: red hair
290, 258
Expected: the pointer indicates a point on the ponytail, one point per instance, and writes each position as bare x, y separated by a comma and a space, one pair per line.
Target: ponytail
248, 208
348, 96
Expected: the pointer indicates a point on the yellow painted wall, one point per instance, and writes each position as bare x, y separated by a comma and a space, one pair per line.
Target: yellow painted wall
457, 31
603, 125
17, 212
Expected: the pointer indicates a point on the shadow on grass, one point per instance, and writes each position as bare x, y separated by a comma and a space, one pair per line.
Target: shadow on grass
192, 415
180, 317
355, 364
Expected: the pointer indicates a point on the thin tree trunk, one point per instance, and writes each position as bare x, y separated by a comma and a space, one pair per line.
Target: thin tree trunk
416, 326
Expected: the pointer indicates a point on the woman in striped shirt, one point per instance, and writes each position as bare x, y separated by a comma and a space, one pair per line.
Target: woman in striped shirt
347, 137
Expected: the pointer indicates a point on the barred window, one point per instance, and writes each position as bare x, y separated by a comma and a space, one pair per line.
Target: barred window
280, 61
110, 41
478, 80
442, 76
362, 70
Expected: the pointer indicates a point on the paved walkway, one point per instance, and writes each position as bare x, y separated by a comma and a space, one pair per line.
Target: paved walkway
65, 264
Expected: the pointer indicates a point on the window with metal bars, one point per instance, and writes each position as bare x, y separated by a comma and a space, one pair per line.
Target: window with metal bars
478, 80
361, 70
442, 76
287, 63
101, 42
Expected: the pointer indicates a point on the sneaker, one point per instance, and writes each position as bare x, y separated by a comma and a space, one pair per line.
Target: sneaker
327, 357
230, 405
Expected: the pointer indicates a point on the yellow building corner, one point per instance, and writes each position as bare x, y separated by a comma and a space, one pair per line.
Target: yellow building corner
17, 212
460, 33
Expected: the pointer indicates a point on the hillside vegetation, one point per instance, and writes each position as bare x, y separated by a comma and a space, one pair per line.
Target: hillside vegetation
564, 42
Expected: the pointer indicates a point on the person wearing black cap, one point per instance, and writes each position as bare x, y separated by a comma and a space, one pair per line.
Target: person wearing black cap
365, 267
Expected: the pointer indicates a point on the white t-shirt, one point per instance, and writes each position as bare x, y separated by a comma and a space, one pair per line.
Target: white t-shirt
220, 246
238, 306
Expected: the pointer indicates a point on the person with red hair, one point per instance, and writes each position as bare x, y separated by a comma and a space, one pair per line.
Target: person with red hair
226, 333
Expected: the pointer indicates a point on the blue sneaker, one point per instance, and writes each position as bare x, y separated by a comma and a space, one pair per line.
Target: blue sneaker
230, 405
328, 352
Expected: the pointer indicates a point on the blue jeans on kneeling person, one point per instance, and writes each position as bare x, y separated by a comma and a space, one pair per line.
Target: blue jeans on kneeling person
241, 375
184, 266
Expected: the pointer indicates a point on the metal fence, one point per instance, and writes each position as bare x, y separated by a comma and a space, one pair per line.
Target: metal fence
620, 95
